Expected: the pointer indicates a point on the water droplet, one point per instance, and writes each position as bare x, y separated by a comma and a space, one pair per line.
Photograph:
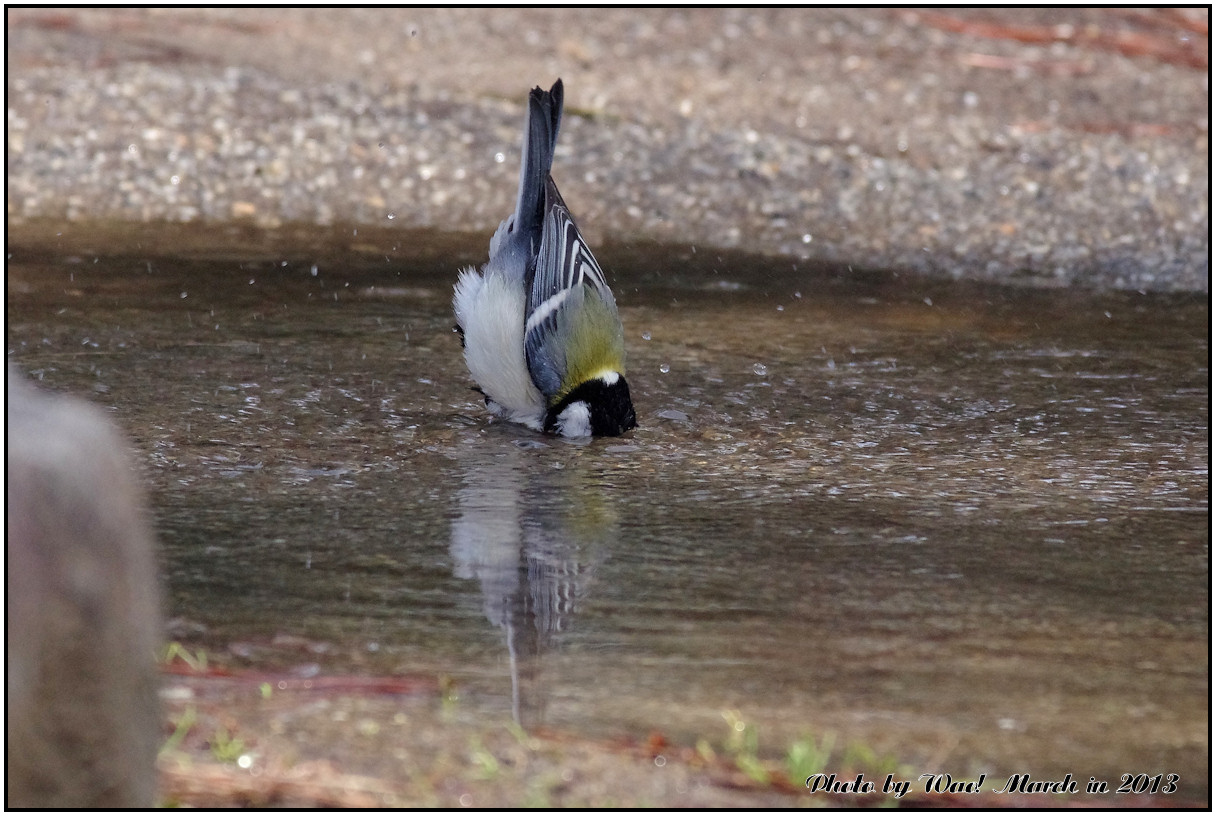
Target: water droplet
664, 368
251, 281
928, 301
499, 158
183, 295
761, 369
175, 180
645, 335
391, 216
314, 270
806, 238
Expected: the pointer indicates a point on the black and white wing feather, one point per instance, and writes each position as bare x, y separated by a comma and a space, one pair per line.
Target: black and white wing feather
565, 269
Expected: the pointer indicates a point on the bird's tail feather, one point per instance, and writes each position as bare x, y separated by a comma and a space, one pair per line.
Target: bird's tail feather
540, 140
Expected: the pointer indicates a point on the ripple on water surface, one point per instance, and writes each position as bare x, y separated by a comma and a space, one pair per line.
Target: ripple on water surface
962, 525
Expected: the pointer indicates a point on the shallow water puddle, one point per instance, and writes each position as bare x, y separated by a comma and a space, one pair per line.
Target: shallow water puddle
964, 526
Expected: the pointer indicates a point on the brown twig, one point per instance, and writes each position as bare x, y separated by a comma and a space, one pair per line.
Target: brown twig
341, 684
313, 784
1129, 43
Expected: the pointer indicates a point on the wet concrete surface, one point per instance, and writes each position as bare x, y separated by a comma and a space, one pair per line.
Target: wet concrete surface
1042, 147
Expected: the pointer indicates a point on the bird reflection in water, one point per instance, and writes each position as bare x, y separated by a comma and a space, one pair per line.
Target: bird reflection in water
532, 526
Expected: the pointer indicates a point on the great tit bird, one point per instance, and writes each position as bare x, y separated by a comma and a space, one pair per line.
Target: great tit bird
539, 325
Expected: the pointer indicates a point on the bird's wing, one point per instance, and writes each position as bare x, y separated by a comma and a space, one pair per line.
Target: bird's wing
565, 275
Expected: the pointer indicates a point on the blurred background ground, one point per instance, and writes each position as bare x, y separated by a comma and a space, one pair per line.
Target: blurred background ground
1040, 147
1035, 146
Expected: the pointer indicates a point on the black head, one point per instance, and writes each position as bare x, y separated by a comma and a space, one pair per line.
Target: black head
597, 407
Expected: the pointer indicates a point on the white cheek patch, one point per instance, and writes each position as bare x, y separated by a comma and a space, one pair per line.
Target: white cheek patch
574, 420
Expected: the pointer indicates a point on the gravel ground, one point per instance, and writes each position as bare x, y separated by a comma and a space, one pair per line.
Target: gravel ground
1042, 147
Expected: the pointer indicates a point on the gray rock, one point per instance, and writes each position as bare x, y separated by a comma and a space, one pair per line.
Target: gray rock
84, 618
